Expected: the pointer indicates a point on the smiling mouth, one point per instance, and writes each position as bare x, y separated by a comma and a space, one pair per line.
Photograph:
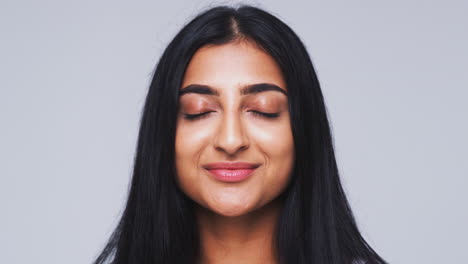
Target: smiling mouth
231, 175
228, 171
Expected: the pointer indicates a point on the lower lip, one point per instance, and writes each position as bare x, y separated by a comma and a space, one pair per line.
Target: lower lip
225, 175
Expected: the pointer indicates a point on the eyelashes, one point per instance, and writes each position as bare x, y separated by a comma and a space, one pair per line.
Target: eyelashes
256, 113
195, 116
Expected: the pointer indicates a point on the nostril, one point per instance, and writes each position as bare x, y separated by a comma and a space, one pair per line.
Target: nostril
231, 141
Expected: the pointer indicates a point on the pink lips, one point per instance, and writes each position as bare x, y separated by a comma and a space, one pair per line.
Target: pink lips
231, 171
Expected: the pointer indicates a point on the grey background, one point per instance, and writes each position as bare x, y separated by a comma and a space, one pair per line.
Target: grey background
73, 79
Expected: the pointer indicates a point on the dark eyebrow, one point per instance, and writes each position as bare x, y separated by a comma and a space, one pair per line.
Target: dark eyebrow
248, 89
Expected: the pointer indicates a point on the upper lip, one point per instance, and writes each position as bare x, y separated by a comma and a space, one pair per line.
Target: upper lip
230, 165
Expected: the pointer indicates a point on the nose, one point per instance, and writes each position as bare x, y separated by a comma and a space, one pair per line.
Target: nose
231, 136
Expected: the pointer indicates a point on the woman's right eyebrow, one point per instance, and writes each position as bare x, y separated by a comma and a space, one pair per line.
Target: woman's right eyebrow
198, 89
247, 89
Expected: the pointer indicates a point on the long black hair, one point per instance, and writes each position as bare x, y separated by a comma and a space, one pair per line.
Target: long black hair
316, 224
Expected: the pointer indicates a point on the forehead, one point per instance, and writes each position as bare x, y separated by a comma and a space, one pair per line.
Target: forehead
232, 64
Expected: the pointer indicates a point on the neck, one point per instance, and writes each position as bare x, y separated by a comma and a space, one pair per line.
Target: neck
249, 238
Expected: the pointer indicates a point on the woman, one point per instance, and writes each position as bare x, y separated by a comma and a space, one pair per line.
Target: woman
235, 160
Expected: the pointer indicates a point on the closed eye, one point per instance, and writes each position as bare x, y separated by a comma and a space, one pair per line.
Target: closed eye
196, 116
267, 115
204, 114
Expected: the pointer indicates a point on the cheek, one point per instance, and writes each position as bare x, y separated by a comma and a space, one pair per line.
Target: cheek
277, 145
275, 139
190, 141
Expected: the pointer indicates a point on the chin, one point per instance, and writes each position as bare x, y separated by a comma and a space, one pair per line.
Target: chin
231, 209
231, 212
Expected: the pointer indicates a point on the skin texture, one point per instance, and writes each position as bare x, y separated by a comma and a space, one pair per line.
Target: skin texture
236, 220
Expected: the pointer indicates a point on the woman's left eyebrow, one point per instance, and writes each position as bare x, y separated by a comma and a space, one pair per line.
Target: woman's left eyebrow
248, 89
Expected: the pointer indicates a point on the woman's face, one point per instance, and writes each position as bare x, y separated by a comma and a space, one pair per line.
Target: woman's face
217, 81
